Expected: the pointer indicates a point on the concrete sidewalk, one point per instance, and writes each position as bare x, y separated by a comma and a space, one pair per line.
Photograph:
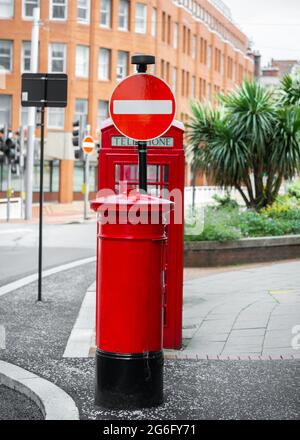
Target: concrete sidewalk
249, 312
57, 213
230, 313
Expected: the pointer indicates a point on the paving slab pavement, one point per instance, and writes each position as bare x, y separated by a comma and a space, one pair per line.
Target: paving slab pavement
253, 311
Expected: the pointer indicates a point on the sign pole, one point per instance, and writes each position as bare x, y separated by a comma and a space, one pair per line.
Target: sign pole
86, 185
142, 150
8, 191
41, 205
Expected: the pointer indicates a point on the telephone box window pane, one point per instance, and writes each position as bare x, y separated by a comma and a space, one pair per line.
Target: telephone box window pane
164, 193
153, 172
153, 190
117, 172
166, 173
130, 173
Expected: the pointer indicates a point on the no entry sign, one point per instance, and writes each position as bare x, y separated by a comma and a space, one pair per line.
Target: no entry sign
88, 145
142, 107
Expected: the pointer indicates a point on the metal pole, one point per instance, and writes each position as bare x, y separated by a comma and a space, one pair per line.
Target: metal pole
31, 116
21, 164
8, 191
41, 206
86, 185
142, 149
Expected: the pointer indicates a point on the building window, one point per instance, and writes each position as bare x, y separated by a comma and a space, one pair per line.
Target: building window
105, 13
82, 61
169, 29
193, 87
104, 64
5, 110
58, 9
6, 8
174, 80
28, 6
194, 46
122, 65
56, 118
140, 18
102, 112
163, 26
6, 49
57, 58
81, 110
209, 57
123, 15
175, 35
153, 22
83, 11
26, 56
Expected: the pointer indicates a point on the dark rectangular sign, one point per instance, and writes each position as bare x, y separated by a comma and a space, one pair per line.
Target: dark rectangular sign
44, 90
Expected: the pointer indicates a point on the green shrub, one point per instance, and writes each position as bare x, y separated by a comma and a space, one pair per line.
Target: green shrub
227, 222
220, 225
253, 224
225, 201
294, 189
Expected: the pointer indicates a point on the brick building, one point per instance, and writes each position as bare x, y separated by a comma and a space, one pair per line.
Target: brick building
275, 71
199, 52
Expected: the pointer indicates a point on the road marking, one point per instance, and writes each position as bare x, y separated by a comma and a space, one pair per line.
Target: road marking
46, 273
82, 335
142, 107
14, 231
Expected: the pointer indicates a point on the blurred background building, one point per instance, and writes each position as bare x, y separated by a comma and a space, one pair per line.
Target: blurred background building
199, 51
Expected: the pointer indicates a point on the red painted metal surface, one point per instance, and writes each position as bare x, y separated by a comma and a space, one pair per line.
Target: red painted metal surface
144, 89
117, 163
130, 283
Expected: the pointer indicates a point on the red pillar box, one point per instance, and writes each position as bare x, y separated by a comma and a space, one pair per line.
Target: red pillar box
129, 328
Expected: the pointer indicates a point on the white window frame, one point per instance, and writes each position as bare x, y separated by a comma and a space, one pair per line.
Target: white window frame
23, 70
82, 68
87, 8
106, 51
154, 22
51, 4
107, 11
125, 15
121, 66
140, 19
57, 110
11, 61
35, 2
50, 59
11, 6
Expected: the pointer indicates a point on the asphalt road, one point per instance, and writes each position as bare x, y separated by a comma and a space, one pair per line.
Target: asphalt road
15, 406
61, 244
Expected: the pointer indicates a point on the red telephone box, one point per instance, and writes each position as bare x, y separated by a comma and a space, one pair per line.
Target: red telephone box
118, 162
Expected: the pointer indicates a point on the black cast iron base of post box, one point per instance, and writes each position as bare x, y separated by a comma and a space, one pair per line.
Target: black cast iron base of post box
130, 381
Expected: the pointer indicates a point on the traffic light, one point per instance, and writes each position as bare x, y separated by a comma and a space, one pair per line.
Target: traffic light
77, 137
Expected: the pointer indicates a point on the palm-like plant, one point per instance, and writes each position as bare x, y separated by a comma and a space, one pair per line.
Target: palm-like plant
249, 143
290, 91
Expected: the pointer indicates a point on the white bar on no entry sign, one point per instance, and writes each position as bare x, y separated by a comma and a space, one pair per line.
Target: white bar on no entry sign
142, 107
